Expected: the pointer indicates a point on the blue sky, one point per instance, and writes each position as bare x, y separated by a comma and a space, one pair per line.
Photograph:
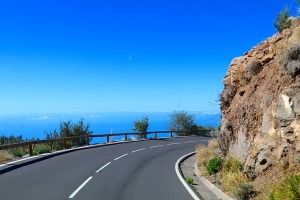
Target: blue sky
136, 55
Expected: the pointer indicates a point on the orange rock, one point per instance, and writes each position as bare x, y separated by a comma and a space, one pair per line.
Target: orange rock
255, 117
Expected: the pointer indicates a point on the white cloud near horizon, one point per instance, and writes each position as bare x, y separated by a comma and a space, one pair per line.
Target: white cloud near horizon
41, 118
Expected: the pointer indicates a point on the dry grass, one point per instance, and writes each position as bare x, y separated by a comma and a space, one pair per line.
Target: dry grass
204, 154
288, 189
289, 54
5, 157
213, 144
287, 47
242, 78
271, 179
231, 180
295, 38
263, 185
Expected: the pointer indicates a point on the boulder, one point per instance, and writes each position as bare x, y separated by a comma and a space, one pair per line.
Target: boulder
253, 67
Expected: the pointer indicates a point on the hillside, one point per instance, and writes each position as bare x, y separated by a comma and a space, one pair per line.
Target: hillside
260, 104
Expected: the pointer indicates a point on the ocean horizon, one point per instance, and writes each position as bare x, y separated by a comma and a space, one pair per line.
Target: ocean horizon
35, 125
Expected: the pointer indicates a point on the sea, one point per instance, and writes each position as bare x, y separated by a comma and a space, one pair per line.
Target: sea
34, 126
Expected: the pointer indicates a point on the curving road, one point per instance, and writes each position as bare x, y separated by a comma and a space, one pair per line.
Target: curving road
129, 171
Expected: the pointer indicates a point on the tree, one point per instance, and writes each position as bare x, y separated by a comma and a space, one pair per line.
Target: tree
68, 129
282, 20
10, 139
141, 126
181, 121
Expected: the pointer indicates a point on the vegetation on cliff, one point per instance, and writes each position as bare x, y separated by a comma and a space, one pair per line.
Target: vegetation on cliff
283, 21
225, 172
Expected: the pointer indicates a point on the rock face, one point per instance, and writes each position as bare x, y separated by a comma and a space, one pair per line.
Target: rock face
260, 106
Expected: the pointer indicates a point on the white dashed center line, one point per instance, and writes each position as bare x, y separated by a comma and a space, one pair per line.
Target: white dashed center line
189, 142
156, 146
85, 182
80, 187
172, 144
103, 167
138, 150
121, 156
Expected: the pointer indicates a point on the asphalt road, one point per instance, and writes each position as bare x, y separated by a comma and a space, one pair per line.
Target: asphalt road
129, 171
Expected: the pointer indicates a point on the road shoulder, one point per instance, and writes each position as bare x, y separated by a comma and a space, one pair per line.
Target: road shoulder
201, 185
187, 169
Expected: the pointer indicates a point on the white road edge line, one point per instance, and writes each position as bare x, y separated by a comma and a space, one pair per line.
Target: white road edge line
80, 187
16, 161
156, 146
172, 143
103, 167
138, 150
189, 142
121, 156
192, 193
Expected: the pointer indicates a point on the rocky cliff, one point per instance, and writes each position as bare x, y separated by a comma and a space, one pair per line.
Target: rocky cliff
260, 104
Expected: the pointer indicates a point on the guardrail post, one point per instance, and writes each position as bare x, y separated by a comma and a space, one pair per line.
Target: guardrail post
125, 137
155, 136
87, 140
141, 136
65, 144
30, 150
107, 139
171, 134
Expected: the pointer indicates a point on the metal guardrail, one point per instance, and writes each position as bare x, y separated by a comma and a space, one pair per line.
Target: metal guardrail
87, 137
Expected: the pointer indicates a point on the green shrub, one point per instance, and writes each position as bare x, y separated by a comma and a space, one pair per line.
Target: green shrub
282, 20
214, 165
10, 139
288, 189
42, 148
69, 129
141, 126
18, 152
243, 191
189, 180
232, 165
